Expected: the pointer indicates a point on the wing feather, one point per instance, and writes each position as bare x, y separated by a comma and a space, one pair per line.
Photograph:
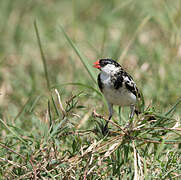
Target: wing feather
100, 84
130, 84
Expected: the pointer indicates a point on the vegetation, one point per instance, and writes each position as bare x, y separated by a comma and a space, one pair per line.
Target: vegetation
50, 106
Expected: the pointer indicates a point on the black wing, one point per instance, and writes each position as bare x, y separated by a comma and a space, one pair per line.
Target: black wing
133, 89
118, 80
100, 84
130, 84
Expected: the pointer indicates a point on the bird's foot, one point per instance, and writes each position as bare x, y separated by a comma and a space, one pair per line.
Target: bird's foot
105, 130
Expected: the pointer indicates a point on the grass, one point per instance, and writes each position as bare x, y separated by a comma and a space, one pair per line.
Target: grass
48, 94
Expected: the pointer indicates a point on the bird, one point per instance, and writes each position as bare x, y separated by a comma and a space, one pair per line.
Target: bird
117, 86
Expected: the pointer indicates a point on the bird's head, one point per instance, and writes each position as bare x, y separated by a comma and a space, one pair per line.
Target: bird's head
107, 65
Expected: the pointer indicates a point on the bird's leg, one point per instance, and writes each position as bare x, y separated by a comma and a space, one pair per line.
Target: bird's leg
105, 130
132, 108
119, 114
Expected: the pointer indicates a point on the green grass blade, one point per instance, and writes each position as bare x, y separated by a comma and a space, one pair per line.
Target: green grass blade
130, 42
42, 55
173, 107
56, 109
79, 84
12, 131
50, 116
23, 108
81, 57
35, 102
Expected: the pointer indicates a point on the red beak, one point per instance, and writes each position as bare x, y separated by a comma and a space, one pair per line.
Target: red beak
97, 65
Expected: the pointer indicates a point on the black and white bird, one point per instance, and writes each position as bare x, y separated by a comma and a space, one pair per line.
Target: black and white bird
117, 86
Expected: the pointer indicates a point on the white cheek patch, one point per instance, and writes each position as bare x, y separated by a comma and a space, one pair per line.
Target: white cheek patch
109, 68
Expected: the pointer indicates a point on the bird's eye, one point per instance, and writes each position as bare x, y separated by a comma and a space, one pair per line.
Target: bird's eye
104, 63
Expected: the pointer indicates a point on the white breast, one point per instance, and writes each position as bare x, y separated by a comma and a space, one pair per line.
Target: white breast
121, 96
